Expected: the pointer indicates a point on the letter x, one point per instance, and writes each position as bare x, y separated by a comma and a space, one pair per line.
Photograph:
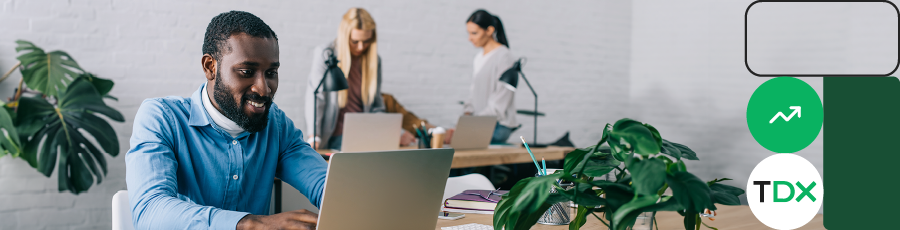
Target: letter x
804, 191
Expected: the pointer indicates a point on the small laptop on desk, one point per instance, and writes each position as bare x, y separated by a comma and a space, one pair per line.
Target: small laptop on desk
473, 132
384, 190
371, 132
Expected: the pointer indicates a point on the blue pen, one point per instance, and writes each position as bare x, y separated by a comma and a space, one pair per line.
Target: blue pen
532, 156
544, 165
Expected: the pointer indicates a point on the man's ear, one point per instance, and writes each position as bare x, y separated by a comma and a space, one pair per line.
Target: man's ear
209, 66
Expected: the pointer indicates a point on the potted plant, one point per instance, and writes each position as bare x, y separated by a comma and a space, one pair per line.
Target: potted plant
652, 165
50, 128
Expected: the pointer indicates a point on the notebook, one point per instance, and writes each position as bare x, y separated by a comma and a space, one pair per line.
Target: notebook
476, 200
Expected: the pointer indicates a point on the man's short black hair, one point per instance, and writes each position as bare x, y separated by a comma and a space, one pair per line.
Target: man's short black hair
226, 24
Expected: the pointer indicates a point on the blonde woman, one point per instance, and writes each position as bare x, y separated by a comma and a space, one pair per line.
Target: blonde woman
356, 48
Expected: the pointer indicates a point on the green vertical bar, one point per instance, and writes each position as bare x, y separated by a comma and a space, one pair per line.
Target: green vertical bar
862, 157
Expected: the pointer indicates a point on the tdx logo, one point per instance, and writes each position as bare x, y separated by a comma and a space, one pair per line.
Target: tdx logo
804, 190
785, 191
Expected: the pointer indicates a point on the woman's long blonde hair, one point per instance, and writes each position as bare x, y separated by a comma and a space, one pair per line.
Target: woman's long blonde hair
358, 18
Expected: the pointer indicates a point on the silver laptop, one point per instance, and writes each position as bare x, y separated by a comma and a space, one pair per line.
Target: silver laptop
384, 190
473, 132
371, 132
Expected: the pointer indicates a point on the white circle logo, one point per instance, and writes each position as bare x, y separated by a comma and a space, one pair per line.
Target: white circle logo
785, 191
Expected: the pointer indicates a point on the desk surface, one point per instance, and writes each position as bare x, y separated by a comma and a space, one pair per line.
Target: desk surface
729, 217
500, 155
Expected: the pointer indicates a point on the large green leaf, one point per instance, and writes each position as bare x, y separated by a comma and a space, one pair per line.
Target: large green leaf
49, 73
735, 191
600, 162
636, 136
583, 194
501, 211
647, 176
678, 150
9, 137
690, 220
61, 135
575, 160
103, 86
690, 191
616, 196
632, 208
580, 217
725, 194
525, 203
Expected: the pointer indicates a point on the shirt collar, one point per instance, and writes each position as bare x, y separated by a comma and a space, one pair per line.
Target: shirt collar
199, 117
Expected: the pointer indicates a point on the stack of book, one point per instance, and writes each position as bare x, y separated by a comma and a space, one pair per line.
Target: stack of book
474, 201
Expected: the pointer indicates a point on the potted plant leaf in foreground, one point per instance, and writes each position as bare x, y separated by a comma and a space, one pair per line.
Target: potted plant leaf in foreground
652, 165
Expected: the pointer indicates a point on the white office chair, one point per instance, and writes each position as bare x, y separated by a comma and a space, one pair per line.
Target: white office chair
456, 185
121, 211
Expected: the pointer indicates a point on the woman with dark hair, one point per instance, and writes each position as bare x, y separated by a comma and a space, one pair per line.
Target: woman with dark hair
488, 96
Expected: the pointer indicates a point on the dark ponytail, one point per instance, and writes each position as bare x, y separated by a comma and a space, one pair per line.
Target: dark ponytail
484, 19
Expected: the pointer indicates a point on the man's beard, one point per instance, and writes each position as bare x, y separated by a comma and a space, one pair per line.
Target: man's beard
234, 110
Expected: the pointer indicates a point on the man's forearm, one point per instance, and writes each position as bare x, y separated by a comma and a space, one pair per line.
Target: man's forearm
249, 222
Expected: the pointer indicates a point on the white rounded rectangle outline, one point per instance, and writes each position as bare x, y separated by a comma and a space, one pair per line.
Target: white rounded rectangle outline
822, 38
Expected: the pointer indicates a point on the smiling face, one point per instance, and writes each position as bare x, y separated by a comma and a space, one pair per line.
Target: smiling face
360, 41
244, 80
478, 36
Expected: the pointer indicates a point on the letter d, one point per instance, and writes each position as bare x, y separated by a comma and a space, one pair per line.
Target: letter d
775, 191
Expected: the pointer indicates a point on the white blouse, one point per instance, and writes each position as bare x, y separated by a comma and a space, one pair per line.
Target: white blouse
487, 95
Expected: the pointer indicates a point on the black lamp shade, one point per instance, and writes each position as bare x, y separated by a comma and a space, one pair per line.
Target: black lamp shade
334, 79
511, 75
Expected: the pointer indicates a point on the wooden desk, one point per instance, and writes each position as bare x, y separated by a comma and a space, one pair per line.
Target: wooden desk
499, 155
730, 217
474, 158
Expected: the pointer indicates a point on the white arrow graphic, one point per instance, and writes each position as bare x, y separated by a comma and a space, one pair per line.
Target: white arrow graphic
788, 118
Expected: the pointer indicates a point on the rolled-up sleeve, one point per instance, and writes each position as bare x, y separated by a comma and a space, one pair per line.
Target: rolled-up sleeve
301, 166
151, 167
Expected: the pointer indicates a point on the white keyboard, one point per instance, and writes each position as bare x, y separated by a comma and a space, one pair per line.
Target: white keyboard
472, 226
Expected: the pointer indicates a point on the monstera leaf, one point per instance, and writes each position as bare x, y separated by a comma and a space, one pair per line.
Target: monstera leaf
56, 135
9, 137
103, 86
48, 73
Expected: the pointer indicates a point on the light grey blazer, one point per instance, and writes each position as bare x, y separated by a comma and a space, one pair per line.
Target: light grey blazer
328, 101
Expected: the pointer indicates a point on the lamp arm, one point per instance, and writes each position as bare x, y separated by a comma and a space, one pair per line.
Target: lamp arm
535, 105
529, 86
315, 110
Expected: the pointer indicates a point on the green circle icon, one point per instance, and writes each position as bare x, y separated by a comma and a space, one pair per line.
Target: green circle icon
784, 114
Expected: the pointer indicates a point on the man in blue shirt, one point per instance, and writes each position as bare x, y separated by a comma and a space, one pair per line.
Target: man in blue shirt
207, 162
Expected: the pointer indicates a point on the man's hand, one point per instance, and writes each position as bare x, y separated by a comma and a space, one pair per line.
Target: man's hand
299, 219
448, 136
406, 138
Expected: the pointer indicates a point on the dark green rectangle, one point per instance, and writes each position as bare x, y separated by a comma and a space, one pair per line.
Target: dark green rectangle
862, 160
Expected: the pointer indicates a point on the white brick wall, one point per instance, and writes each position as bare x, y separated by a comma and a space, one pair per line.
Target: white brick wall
579, 57
675, 64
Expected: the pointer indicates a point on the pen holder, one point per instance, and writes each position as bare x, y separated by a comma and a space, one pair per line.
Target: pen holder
557, 214
424, 142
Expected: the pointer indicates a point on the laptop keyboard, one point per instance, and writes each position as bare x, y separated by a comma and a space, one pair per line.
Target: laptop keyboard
472, 226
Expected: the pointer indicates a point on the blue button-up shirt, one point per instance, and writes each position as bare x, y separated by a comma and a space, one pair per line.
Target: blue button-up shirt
185, 172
